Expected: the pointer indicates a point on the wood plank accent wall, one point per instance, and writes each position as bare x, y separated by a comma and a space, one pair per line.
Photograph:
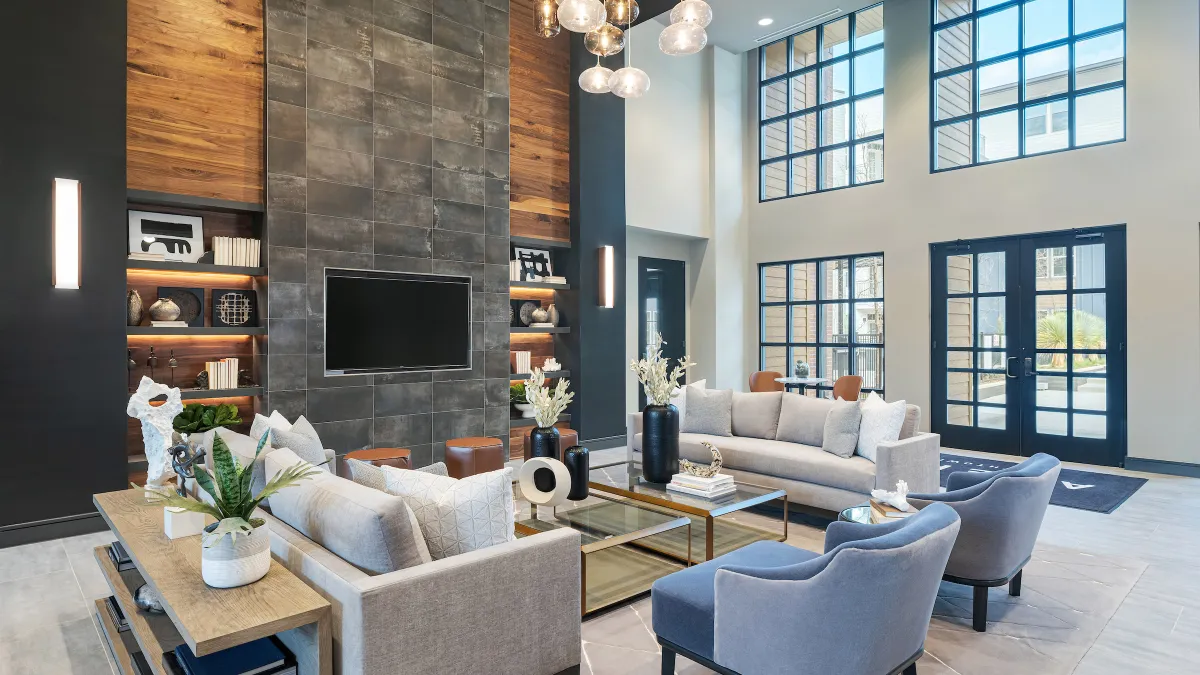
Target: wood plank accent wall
195, 98
540, 90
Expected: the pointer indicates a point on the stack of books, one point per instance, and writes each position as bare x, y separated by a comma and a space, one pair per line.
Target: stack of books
138, 255
169, 324
222, 374
235, 251
521, 362
120, 558
114, 612
261, 657
886, 513
718, 486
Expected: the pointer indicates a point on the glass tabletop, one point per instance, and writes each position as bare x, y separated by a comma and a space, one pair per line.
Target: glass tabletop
603, 523
625, 478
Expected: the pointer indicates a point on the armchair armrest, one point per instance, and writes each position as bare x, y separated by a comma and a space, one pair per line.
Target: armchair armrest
633, 427
841, 532
914, 460
965, 479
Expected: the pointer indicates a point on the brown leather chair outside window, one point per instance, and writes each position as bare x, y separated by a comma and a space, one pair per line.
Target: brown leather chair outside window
764, 380
847, 387
472, 456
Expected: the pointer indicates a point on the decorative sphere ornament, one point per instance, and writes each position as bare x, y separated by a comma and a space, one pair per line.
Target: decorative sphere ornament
622, 12
581, 16
605, 40
692, 11
595, 80
629, 82
545, 18
681, 39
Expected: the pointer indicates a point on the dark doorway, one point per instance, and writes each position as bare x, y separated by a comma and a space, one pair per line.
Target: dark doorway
662, 307
1029, 345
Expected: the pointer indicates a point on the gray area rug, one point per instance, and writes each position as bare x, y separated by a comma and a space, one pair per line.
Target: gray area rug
1076, 489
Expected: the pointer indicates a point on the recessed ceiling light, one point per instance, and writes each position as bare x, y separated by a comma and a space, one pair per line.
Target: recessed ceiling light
766, 22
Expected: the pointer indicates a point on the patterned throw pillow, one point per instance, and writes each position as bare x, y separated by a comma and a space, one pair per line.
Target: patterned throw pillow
881, 423
457, 516
263, 424
303, 440
709, 411
372, 476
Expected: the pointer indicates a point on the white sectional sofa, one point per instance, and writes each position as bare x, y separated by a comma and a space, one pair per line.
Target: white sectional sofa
811, 476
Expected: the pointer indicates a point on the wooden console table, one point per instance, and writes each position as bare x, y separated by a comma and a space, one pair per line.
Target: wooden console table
207, 619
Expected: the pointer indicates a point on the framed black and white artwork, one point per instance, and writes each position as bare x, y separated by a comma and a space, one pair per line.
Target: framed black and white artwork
234, 308
535, 262
177, 238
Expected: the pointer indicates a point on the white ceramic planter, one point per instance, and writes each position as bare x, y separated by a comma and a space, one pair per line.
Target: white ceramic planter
526, 410
229, 564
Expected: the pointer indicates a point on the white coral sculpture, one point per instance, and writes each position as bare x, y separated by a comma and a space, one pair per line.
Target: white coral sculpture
652, 372
547, 403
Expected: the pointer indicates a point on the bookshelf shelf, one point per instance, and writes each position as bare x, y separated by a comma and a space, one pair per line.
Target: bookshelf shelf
171, 266
196, 331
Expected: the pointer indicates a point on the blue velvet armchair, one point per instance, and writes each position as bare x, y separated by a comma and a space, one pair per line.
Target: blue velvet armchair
1001, 513
862, 608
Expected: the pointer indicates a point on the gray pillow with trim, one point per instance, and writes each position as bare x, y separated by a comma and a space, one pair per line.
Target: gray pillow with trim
372, 476
841, 428
709, 411
303, 440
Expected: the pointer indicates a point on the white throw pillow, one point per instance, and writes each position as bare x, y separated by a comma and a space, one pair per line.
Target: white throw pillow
881, 423
457, 516
262, 424
679, 398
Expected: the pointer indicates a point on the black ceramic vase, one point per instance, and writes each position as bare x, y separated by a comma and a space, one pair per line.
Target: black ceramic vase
543, 442
660, 443
578, 463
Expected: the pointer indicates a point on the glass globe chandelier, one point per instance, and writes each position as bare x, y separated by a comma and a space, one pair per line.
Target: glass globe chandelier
686, 34
595, 80
605, 40
545, 18
622, 12
581, 16
630, 82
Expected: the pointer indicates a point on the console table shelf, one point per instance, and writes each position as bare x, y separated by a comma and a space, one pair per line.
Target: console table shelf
171, 266
206, 330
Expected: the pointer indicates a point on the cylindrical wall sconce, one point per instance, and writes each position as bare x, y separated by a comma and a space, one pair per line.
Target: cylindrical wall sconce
66, 233
608, 291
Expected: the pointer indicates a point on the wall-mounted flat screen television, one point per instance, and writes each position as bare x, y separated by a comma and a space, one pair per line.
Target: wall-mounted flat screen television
393, 322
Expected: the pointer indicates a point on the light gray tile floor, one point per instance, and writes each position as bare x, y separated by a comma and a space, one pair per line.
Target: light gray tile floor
1105, 594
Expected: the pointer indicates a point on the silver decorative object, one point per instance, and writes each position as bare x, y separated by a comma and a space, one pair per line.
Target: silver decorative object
164, 309
801, 369
147, 600
552, 315
700, 471
540, 315
135, 308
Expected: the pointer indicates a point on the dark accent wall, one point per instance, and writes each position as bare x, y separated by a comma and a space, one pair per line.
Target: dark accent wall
62, 372
388, 138
596, 349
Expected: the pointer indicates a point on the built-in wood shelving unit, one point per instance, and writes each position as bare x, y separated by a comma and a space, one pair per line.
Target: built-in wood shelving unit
538, 242
202, 268
196, 331
550, 375
517, 285
529, 330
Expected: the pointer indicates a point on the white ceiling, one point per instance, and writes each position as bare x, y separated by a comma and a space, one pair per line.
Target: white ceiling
735, 22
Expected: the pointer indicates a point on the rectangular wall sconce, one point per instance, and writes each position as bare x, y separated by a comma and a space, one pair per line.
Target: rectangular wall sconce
607, 281
66, 233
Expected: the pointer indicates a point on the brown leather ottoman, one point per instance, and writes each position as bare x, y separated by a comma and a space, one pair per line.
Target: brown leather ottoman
566, 439
475, 455
396, 457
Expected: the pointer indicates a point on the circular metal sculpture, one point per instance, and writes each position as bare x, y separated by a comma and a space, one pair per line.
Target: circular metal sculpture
547, 471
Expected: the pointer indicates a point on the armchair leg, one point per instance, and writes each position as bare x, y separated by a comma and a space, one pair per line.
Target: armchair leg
1014, 586
979, 611
668, 662
911, 669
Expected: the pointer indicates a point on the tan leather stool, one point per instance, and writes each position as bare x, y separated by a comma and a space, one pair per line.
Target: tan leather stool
396, 457
475, 455
566, 438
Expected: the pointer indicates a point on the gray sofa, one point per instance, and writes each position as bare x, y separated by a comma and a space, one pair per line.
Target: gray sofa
811, 476
511, 608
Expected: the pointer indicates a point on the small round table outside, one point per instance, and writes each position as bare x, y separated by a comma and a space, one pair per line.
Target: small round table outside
856, 514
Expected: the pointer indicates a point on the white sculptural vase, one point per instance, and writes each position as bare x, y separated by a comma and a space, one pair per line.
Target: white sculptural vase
157, 428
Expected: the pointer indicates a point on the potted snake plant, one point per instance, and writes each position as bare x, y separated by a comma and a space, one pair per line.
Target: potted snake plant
236, 549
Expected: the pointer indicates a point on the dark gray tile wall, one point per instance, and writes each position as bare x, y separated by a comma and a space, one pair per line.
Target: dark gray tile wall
387, 125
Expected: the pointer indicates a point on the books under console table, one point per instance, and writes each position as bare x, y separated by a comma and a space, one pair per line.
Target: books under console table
207, 620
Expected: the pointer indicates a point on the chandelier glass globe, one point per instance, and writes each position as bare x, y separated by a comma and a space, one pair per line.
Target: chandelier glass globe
545, 18
581, 16
630, 82
595, 80
692, 11
605, 41
622, 12
681, 39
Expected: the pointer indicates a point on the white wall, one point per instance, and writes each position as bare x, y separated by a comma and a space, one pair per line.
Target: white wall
1148, 183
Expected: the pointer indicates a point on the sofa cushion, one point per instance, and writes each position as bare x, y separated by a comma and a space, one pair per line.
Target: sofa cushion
841, 429
881, 423
792, 461
802, 419
912, 422
371, 530
457, 516
756, 415
303, 440
373, 477
679, 398
709, 411
684, 603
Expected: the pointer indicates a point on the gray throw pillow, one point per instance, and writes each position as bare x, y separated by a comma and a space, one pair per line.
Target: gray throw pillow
756, 415
841, 429
709, 411
303, 440
372, 476
802, 419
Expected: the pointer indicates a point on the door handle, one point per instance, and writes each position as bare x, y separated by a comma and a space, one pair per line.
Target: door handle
1008, 367
1028, 367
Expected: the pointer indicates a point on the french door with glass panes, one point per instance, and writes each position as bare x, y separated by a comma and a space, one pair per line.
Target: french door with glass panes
1029, 345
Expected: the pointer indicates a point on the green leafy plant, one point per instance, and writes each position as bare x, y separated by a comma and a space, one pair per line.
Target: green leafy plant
229, 486
517, 394
198, 418
1091, 332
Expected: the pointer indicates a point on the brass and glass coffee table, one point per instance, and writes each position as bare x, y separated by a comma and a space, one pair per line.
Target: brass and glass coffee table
619, 538
713, 534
